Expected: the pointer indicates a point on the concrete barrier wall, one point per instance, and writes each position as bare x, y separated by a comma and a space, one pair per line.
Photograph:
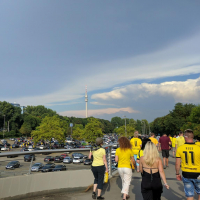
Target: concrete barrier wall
36, 183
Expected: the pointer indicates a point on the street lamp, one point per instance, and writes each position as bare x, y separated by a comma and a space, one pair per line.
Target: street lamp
125, 125
4, 125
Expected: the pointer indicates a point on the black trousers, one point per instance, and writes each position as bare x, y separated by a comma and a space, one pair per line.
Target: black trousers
98, 173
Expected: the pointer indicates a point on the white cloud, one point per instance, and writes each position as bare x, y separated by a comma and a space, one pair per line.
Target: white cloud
81, 113
182, 91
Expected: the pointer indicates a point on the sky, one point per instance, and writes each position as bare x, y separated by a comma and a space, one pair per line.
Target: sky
137, 58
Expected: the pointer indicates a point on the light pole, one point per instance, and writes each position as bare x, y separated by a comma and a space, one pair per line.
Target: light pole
4, 125
125, 125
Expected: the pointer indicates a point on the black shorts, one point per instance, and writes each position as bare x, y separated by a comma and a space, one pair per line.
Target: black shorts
165, 153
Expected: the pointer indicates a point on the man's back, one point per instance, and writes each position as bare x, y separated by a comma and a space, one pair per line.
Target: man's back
190, 159
164, 141
180, 141
136, 145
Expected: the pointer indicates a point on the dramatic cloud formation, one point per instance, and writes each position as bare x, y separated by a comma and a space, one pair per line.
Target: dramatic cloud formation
180, 91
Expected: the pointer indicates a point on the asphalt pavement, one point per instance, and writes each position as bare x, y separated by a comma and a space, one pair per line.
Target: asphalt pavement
112, 190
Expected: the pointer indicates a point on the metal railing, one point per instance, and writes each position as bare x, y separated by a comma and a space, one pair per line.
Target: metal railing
111, 164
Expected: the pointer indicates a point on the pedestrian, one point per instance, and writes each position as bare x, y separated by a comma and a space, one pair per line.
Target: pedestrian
152, 171
99, 166
164, 143
188, 156
170, 137
153, 139
123, 156
174, 146
180, 140
141, 151
136, 146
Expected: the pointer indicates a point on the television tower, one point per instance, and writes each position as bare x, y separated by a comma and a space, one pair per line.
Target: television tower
86, 100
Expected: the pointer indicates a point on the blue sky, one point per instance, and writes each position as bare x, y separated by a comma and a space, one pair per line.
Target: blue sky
137, 58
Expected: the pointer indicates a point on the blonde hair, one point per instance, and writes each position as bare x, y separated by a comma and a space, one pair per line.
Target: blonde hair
150, 154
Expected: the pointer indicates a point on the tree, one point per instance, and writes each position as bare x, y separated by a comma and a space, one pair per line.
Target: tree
25, 129
117, 121
93, 129
78, 134
129, 130
50, 127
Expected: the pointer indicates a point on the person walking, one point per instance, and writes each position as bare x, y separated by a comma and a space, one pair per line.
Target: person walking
188, 156
152, 171
180, 140
174, 146
164, 143
153, 139
136, 146
99, 166
123, 156
141, 151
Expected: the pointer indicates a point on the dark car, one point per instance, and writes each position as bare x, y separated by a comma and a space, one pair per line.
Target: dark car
13, 165
15, 146
60, 168
48, 167
88, 162
12, 156
1, 145
78, 155
49, 159
28, 158
24, 149
58, 159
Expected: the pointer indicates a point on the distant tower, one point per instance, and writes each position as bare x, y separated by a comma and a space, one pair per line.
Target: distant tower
86, 100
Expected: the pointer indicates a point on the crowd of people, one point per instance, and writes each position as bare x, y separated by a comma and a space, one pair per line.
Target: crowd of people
144, 155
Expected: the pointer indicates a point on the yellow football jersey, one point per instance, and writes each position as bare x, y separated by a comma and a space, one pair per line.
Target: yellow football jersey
190, 157
136, 145
173, 142
140, 154
197, 143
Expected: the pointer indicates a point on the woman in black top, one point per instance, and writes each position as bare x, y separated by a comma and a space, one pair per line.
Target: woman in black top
152, 171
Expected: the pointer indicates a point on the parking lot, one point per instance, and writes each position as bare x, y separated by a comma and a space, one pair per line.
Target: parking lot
24, 166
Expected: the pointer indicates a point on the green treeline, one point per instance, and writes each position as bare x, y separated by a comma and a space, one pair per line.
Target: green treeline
182, 117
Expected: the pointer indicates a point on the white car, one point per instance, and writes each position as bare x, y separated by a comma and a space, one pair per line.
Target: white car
77, 160
42, 147
30, 148
4, 149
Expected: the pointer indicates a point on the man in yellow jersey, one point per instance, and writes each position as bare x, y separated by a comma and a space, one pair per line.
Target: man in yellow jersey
188, 155
136, 146
180, 140
153, 139
174, 145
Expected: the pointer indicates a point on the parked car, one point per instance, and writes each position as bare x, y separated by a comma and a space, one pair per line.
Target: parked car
4, 149
37, 167
64, 155
49, 159
88, 162
15, 146
12, 156
67, 160
12, 139
28, 158
13, 165
48, 167
30, 148
24, 149
59, 168
42, 147
1, 146
58, 159
77, 160
79, 155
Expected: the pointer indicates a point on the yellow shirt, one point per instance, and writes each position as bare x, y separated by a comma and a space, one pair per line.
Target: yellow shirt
197, 143
173, 142
154, 140
140, 154
180, 141
124, 157
98, 157
190, 158
170, 138
136, 142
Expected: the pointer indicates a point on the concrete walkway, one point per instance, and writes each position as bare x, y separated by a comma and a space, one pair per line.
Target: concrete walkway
113, 188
